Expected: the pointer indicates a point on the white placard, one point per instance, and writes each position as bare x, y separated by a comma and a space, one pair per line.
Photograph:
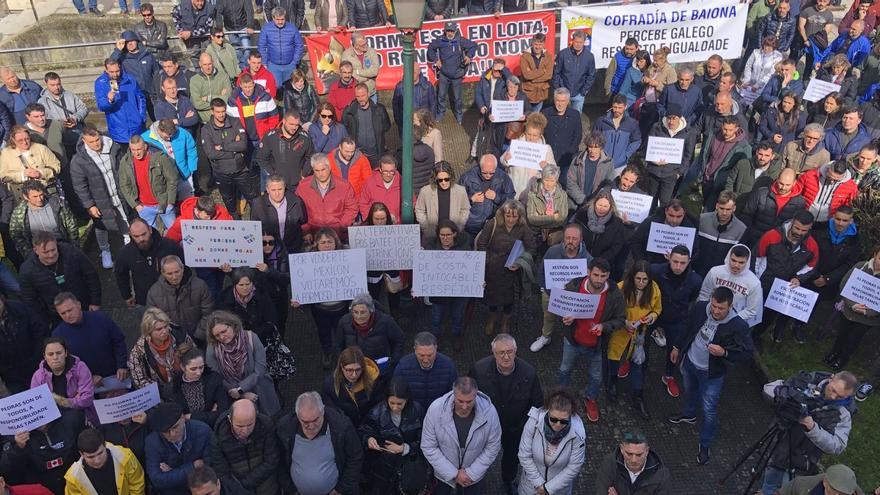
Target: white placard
818, 89
527, 155
635, 206
125, 406
863, 288
796, 302
506, 111
388, 247
211, 243
28, 410
325, 276
515, 252
557, 273
748, 96
448, 273
661, 148
693, 31
566, 303
663, 238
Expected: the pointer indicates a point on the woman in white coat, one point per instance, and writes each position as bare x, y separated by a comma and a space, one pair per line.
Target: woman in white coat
761, 65
552, 446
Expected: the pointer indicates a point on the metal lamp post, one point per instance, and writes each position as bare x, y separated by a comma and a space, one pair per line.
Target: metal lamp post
409, 15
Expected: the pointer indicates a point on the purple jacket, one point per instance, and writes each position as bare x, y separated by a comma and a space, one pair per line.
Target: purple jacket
80, 389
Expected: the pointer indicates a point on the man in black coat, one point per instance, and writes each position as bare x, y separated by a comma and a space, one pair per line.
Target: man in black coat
514, 388
673, 215
21, 340
137, 265
839, 250
285, 151
633, 458
370, 139
268, 209
564, 130
769, 207
245, 450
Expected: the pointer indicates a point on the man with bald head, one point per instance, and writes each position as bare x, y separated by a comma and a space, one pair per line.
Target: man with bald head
769, 207
16, 94
853, 43
488, 187
208, 83
246, 451
725, 106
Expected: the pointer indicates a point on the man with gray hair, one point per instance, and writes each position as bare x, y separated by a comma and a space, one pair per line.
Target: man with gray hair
364, 61
488, 187
461, 438
321, 448
329, 201
685, 95
513, 386
808, 152
281, 45
429, 373
564, 130
183, 296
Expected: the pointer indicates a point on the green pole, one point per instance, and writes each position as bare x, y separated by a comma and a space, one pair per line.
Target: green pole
406, 207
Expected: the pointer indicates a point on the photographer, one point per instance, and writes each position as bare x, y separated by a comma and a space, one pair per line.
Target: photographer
816, 409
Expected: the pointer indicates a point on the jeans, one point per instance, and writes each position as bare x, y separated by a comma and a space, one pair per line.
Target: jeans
149, 214
243, 44
773, 479
577, 102
477, 488
184, 189
700, 390
672, 331
8, 281
136, 5
102, 235
213, 278
443, 85
849, 335
662, 188
570, 354
281, 72
439, 307
93, 5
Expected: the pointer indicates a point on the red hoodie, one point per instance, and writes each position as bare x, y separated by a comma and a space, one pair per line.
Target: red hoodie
263, 77
781, 201
187, 212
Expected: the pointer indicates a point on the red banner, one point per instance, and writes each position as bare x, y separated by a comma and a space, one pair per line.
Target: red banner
505, 37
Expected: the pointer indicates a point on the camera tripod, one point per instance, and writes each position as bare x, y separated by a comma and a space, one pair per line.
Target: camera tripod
764, 446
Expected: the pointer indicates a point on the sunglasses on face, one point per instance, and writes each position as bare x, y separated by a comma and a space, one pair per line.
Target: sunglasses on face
446, 179
558, 420
326, 116
218, 36
269, 242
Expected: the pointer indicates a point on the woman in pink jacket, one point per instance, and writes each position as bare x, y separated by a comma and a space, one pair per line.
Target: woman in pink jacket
68, 378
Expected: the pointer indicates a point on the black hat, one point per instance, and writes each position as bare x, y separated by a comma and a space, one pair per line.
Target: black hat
674, 109
450, 26
164, 416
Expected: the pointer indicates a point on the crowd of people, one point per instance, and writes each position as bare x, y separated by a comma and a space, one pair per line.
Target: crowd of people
777, 176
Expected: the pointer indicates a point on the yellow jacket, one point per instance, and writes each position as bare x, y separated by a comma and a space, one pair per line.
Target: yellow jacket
129, 474
40, 158
620, 338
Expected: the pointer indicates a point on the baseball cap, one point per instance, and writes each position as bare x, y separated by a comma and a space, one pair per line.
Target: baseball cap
842, 479
450, 26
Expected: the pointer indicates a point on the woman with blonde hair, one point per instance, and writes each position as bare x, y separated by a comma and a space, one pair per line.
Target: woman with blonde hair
153, 359
534, 133
353, 387
23, 159
430, 132
659, 74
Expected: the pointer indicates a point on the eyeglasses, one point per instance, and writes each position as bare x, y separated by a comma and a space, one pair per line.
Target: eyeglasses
444, 179
269, 242
326, 116
560, 421
352, 370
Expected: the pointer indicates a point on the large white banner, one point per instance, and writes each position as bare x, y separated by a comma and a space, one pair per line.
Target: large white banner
125, 406
389, 247
28, 410
692, 31
324, 276
448, 273
211, 243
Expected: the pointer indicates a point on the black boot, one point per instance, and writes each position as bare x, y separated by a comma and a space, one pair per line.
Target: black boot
640, 406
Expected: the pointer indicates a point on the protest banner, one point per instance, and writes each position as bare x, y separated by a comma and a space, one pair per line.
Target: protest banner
388, 247
557, 273
28, 410
635, 206
527, 155
504, 37
211, 243
663, 238
566, 303
863, 288
818, 89
692, 31
448, 273
669, 150
125, 406
796, 302
506, 111
324, 276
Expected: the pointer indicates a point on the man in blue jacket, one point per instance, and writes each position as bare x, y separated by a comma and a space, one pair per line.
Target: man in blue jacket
451, 54
488, 187
575, 70
429, 373
622, 135
138, 63
847, 137
716, 337
281, 45
787, 78
423, 97
564, 130
175, 448
16, 94
620, 63
117, 95
685, 96
855, 45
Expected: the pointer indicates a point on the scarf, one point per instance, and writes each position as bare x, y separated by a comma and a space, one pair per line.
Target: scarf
554, 437
243, 301
232, 357
548, 201
364, 329
595, 223
165, 358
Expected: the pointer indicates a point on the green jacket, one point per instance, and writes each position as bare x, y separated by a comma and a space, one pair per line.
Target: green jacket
203, 89
20, 228
741, 179
536, 206
163, 179
757, 11
225, 59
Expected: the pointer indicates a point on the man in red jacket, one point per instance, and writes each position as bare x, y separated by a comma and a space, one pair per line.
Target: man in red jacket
827, 188
342, 91
329, 200
382, 187
259, 73
197, 208
253, 106
347, 162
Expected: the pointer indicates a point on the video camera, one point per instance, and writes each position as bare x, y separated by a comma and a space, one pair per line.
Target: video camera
794, 400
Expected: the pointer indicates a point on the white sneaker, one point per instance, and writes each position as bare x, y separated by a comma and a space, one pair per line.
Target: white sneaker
659, 337
539, 343
106, 260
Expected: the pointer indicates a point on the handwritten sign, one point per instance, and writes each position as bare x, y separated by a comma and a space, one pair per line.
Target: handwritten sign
663, 238
324, 276
567, 303
557, 273
388, 247
661, 148
506, 111
515, 252
796, 302
635, 206
211, 243
863, 288
748, 96
527, 155
28, 410
448, 273
125, 406
818, 89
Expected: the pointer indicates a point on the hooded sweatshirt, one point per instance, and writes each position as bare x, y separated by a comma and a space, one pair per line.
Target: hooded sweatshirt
820, 205
748, 298
699, 350
718, 153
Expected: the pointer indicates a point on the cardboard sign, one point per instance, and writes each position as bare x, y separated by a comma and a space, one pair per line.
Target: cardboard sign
211, 243
527, 155
863, 288
661, 148
388, 247
324, 276
125, 406
557, 273
663, 238
566, 303
28, 410
796, 302
635, 206
818, 89
448, 273
506, 111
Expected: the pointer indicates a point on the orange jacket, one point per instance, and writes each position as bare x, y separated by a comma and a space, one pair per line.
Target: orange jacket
358, 172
